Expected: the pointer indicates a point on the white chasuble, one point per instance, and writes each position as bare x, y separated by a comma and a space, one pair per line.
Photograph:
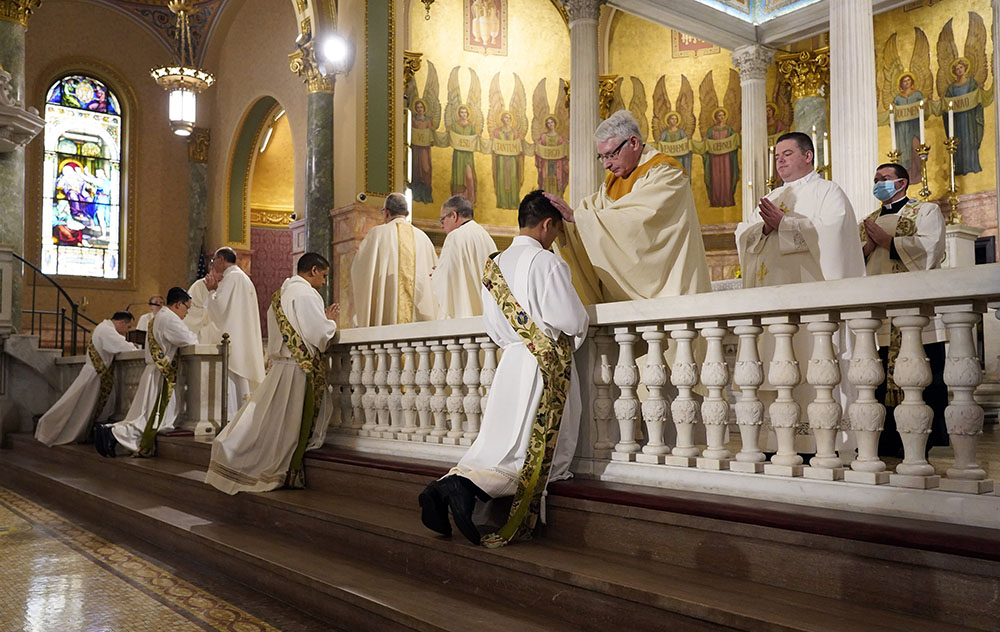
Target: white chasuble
233, 309
457, 279
69, 418
253, 452
543, 286
391, 276
197, 318
171, 333
638, 237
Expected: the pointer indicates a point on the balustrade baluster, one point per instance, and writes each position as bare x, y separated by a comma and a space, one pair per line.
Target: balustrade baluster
654, 409
684, 408
382, 390
824, 412
715, 407
866, 413
913, 416
368, 400
470, 378
963, 416
354, 379
748, 375
603, 413
395, 399
332, 362
489, 369
438, 400
456, 414
627, 405
423, 380
344, 380
408, 401
783, 373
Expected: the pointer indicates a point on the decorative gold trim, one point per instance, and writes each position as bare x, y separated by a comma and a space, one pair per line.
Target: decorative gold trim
411, 64
18, 11
605, 94
303, 63
261, 217
806, 71
198, 143
34, 179
391, 97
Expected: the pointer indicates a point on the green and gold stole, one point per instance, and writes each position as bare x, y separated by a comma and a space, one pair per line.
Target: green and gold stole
906, 226
312, 365
107, 376
555, 360
168, 372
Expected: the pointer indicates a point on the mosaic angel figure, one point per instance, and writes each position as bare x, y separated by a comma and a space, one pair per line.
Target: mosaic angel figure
720, 129
674, 126
425, 116
905, 89
508, 127
464, 121
550, 131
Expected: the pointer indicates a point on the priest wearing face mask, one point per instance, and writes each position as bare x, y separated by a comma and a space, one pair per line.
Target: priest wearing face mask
905, 235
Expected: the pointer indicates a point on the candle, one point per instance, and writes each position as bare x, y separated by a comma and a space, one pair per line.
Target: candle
892, 125
770, 162
951, 119
814, 139
922, 122
826, 149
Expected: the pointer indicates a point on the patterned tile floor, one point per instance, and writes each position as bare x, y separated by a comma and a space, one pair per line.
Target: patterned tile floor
59, 576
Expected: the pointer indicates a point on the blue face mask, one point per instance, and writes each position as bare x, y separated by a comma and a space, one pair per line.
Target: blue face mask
885, 190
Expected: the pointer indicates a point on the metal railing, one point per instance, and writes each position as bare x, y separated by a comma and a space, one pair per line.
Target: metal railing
78, 332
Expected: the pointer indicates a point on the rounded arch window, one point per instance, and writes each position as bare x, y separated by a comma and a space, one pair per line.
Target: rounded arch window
82, 227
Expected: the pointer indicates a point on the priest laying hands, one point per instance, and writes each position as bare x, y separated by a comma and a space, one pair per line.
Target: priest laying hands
531, 312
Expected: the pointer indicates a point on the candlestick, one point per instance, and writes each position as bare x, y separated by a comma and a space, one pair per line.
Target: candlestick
826, 149
951, 144
921, 121
814, 140
951, 119
770, 162
892, 126
922, 151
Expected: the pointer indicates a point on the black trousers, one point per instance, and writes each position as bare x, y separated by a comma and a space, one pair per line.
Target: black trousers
935, 396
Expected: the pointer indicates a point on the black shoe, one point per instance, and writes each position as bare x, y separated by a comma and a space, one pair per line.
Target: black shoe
434, 509
104, 440
460, 495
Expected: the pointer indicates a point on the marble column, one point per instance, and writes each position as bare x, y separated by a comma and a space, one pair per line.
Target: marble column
14, 15
198, 144
808, 72
853, 110
584, 170
752, 62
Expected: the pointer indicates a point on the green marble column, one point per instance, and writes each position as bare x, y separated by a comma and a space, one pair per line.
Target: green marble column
319, 176
12, 163
198, 144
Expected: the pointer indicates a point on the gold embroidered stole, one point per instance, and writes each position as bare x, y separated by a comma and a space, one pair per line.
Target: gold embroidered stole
555, 360
107, 378
168, 372
616, 187
906, 226
405, 273
312, 365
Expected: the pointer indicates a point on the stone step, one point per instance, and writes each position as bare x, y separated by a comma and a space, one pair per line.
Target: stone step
578, 582
353, 594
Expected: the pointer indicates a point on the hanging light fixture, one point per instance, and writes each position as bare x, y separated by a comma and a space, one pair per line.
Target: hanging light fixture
183, 81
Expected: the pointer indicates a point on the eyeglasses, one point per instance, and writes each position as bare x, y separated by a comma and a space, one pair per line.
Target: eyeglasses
612, 154
157, 304
444, 217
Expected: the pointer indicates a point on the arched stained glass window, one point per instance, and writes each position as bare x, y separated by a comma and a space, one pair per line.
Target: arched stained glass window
81, 196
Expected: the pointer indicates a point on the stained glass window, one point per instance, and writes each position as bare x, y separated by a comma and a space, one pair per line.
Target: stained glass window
82, 226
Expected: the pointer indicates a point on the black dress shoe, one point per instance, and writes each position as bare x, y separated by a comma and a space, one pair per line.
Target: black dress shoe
460, 495
104, 440
434, 509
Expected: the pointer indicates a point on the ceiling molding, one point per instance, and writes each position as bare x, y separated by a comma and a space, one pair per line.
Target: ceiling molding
693, 18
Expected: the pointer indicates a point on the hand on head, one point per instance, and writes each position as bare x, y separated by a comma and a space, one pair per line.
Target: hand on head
561, 206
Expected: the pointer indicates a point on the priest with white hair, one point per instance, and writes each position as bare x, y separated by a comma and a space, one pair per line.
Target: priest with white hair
88, 398
232, 308
157, 403
457, 278
391, 272
262, 448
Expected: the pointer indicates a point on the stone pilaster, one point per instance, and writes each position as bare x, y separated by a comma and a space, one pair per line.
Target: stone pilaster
996, 102
853, 109
752, 62
351, 223
198, 144
584, 170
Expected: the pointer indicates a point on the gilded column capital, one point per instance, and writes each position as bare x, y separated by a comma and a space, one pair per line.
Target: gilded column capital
303, 63
198, 143
583, 10
605, 94
18, 11
752, 61
807, 71
411, 64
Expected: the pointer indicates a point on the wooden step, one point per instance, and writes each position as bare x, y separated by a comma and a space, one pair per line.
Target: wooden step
583, 585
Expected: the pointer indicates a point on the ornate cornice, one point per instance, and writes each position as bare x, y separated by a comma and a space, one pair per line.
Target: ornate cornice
303, 63
583, 10
605, 94
807, 71
411, 64
270, 218
752, 61
198, 143
18, 11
